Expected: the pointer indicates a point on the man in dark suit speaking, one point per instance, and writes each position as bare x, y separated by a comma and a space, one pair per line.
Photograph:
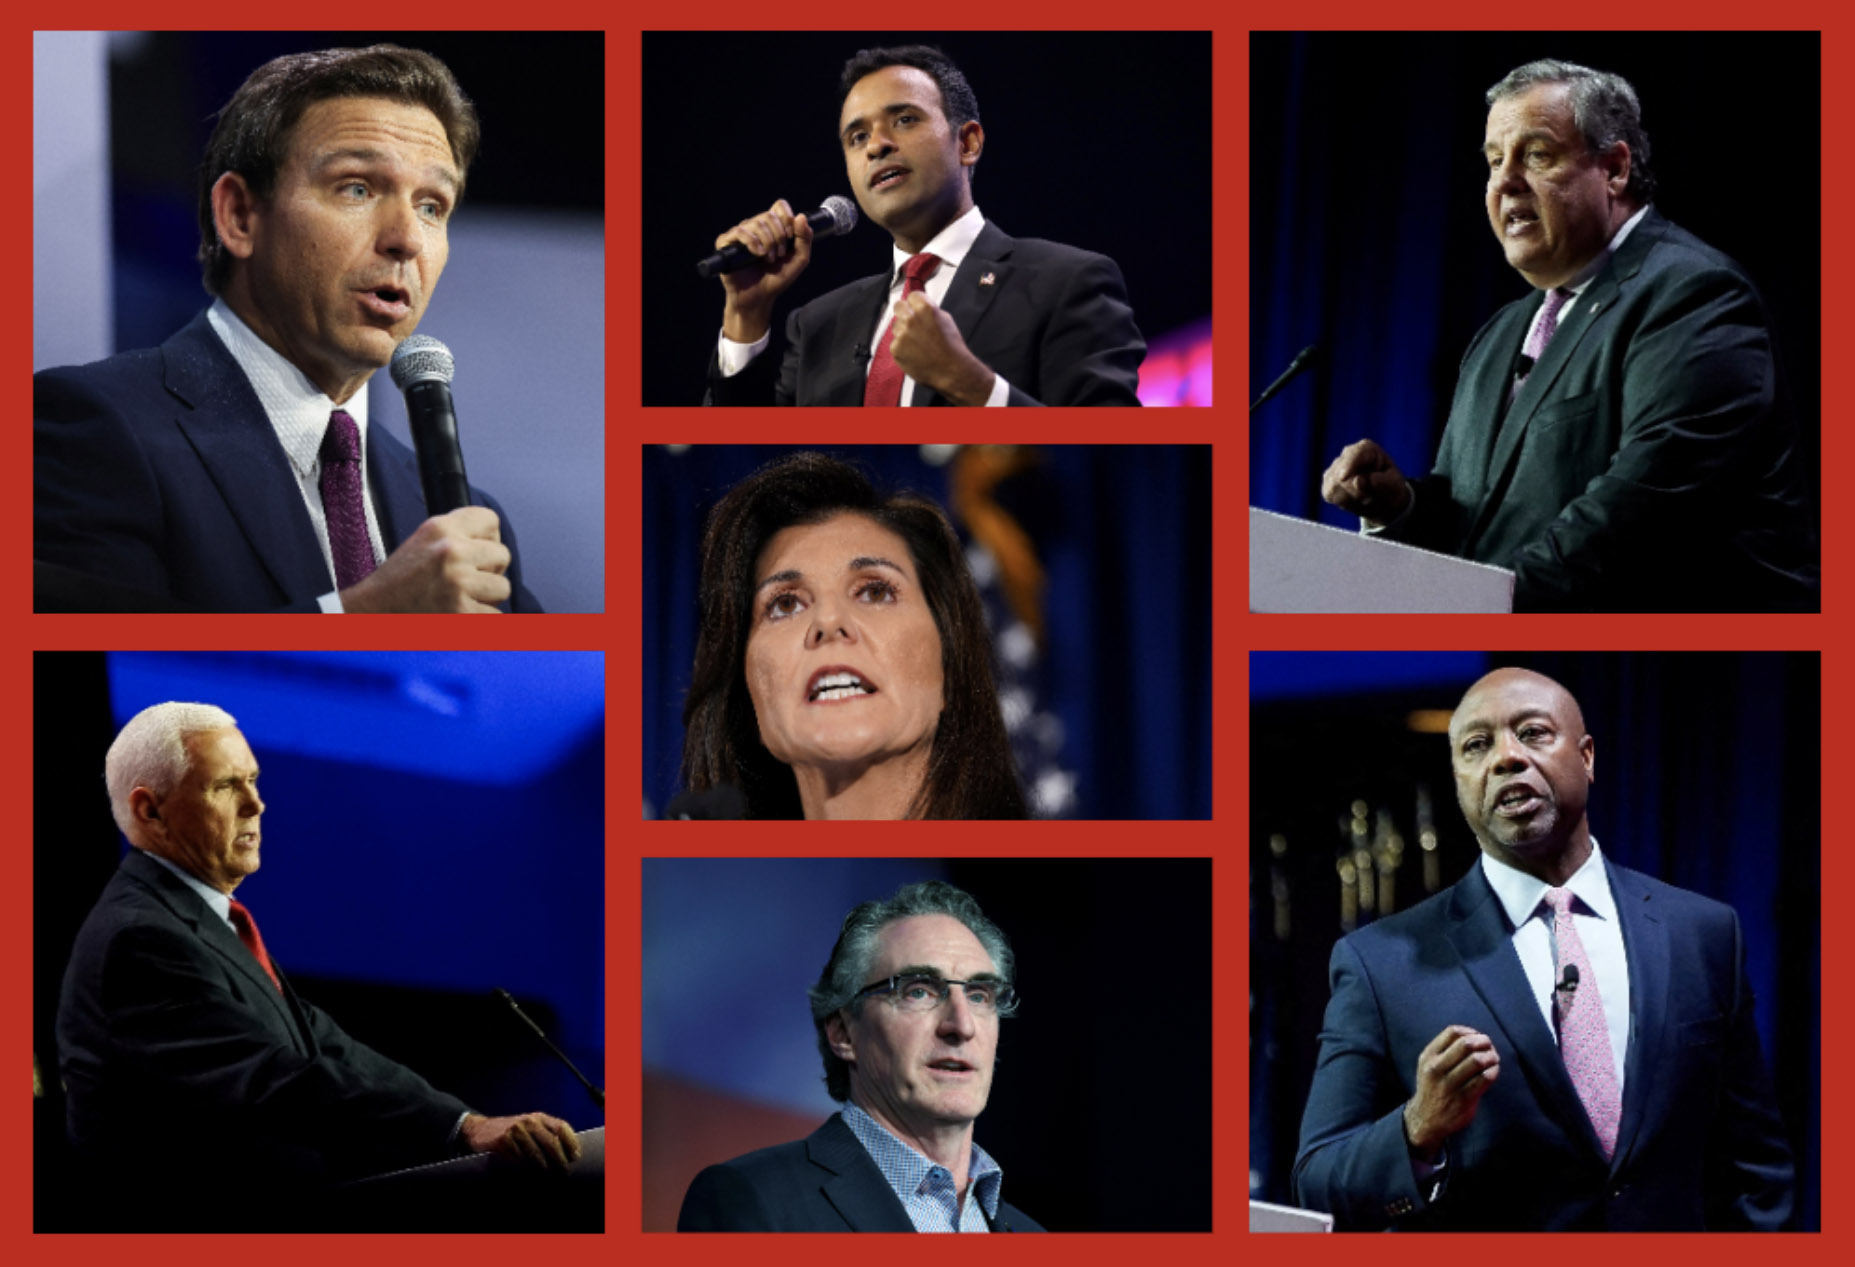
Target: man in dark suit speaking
1554, 1043
1621, 439
965, 315
190, 1064
907, 1011
233, 468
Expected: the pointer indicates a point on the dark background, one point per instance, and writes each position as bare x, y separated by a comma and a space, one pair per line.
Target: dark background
1707, 777
1369, 237
1100, 140
1100, 1111
1124, 536
396, 899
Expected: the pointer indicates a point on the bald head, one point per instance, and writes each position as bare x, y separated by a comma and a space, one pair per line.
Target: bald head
1524, 766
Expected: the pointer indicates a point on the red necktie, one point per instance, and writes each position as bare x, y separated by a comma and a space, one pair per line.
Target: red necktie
248, 933
340, 486
884, 386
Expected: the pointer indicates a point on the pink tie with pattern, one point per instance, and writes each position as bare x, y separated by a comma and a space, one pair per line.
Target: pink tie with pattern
1584, 1037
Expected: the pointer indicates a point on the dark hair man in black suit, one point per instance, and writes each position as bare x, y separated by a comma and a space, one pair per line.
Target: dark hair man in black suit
1000, 321
1621, 438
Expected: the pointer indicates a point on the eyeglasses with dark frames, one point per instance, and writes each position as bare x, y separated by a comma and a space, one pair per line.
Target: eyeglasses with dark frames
925, 994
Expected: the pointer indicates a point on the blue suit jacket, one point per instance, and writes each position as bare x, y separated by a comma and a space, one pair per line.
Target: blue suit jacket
826, 1182
1699, 1147
158, 470
1053, 319
1650, 463
198, 1095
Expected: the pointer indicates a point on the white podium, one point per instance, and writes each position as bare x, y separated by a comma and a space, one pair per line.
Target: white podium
1283, 1218
1297, 565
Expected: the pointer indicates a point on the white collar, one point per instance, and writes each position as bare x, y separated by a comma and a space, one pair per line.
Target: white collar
221, 903
1520, 894
951, 244
298, 410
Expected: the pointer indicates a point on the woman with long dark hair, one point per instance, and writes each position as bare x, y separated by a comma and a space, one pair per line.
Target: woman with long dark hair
843, 668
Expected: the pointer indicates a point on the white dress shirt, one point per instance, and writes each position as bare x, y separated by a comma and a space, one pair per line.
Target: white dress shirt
1594, 917
299, 413
952, 245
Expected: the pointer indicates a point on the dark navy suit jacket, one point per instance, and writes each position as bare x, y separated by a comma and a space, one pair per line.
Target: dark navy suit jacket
197, 1095
157, 470
1651, 461
1700, 1146
1052, 319
826, 1182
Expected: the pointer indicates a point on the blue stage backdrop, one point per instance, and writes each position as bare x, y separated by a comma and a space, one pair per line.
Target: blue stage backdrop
1111, 718
1707, 777
433, 830
1369, 238
120, 125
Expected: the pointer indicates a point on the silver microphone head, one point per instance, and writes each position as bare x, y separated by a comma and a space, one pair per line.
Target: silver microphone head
843, 213
422, 359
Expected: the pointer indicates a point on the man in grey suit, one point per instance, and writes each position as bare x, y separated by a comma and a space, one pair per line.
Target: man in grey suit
1620, 439
190, 1063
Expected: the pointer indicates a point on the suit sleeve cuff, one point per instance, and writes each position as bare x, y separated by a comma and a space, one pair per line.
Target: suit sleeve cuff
1001, 392
735, 357
330, 603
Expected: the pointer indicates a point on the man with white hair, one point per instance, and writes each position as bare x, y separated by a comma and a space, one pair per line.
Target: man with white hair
191, 1067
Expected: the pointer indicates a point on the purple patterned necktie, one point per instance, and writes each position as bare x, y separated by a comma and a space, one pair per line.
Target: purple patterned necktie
341, 500
1584, 1036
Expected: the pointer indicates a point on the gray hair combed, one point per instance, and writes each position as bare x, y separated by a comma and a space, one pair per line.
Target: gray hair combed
1604, 108
151, 752
852, 958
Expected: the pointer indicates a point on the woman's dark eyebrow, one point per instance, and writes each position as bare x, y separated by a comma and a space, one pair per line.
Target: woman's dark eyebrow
856, 565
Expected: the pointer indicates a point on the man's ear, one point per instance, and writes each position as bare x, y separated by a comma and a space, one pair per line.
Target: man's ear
837, 1033
234, 211
143, 807
972, 142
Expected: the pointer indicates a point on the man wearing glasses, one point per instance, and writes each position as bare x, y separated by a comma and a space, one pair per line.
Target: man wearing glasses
907, 1011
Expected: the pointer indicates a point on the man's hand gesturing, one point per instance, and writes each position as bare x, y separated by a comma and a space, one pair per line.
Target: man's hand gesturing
1364, 480
1453, 1073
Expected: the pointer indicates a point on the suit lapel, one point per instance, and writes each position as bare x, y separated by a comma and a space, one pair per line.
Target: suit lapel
856, 1188
982, 276
1479, 932
1645, 947
188, 907
225, 424
399, 501
848, 370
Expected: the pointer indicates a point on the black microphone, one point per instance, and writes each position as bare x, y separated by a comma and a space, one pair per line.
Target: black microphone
725, 800
597, 1095
1301, 362
422, 368
1570, 982
1524, 367
837, 216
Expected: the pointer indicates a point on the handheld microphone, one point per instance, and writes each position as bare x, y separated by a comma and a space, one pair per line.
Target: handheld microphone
837, 216
1302, 360
1570, 982
422, 369
597, 1095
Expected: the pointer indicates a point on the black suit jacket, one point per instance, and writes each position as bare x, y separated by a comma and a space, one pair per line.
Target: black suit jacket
157, 470
1650, 462
1700, 1146
826, 1182
197, 1095
1052, 319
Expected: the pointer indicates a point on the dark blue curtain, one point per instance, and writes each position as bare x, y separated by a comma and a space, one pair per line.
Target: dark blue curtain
1124, 534
1368, 235
1707, 777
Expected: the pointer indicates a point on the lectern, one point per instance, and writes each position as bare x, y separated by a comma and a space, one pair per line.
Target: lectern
480, 1193
1297, 565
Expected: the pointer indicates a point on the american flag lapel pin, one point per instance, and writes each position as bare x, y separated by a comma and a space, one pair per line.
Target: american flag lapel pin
988, 279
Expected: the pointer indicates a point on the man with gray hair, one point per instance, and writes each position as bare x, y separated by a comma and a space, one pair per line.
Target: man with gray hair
1620, 438
907, 1012
190, 1064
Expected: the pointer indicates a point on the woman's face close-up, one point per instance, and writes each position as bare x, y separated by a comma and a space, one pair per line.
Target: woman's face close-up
843, 660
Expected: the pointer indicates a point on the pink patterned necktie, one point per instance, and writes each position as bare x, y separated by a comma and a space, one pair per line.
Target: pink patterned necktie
1584, 1036
340, 485
248, 933
884, 385
1543, 330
